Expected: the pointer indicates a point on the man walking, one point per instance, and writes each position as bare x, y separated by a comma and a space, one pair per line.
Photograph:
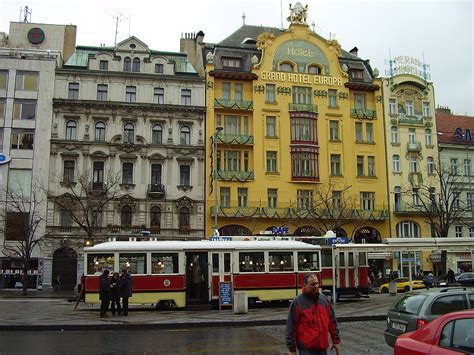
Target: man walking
104, 293
310, 319
125, 290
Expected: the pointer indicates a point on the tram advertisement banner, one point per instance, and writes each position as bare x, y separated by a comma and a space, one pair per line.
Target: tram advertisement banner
225, 294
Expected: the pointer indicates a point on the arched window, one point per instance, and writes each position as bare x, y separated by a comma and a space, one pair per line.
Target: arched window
314, 69
155, 216
157, 134
127, 64
128, 133
185, 136
100, 131
136, 65
183, 217
71, 130
126, 216
287, 67
408, 229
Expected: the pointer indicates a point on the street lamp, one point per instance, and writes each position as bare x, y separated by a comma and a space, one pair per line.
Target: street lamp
216, 199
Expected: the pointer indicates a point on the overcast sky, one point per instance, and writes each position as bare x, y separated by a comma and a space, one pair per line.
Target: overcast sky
441, 31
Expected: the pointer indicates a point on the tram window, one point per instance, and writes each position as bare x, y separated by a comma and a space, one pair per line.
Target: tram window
215, 262
251, 262
326, 256
308, 261
342, 261
97, 263
351, 259
363, 259
226, 262
135, 262
281, 261
164, 263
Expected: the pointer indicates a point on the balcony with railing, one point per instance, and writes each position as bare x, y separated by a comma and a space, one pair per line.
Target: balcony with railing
416, 119
363, 113
156, 190
414, 146
97, 187
233, 104
402, 208
303, 108
240, 176
234, 138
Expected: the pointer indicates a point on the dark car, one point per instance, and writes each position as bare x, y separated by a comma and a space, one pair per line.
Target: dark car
466, 278
414, 309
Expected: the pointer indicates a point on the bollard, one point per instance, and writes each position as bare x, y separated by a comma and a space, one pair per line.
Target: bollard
241, 303
392, 288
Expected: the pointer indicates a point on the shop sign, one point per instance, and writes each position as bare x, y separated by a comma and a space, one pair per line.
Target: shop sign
301, 78
338, 240
463, 136
435, 257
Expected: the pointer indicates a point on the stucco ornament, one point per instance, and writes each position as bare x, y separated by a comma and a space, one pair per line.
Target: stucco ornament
376, 73
298, 14
210, 57
264, 40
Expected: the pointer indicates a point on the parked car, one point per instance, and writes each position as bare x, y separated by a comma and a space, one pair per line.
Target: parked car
466, 278
403, 285
414, 309
449, 334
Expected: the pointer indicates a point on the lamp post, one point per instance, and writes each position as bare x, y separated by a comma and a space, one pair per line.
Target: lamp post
216, 197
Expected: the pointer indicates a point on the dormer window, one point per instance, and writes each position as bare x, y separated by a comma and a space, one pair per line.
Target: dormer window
357, 74
127, 64
314, 69
287, 67
104, 65
228, 62
136, 65
159, 68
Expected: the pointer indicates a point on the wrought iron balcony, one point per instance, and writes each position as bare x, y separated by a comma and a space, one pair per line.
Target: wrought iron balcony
363, 113
410, 120
233, 104
414, 146
303, 108
241, 176
156, 190
404, 209
235, 138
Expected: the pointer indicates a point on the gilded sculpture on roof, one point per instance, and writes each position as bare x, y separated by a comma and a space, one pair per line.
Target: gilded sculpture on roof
264, 40
298, 14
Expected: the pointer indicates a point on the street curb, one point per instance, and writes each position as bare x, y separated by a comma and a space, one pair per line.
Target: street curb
147, 326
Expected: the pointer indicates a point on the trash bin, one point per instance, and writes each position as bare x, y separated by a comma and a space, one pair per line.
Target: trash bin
241, 302
392, 288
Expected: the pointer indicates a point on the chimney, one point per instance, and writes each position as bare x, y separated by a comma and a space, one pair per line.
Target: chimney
443, 110
354, 51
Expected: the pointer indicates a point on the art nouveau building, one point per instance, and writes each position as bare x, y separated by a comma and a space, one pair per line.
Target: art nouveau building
137, 115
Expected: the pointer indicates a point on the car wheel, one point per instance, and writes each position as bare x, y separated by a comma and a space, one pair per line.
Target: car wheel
384, 290
406, 289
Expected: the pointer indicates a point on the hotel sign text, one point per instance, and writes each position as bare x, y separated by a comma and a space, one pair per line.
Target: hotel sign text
300, 78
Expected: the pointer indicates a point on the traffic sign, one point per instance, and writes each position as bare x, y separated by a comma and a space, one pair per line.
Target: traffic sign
4, 158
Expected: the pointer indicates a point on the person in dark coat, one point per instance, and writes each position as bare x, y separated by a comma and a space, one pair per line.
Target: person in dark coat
115, 284
451, 278
104, 293
125, 290
429, 280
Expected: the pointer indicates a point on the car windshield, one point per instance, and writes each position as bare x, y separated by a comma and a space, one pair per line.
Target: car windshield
409, 304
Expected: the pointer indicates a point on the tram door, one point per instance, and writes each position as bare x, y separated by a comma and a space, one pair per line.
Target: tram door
197, 277
221, 270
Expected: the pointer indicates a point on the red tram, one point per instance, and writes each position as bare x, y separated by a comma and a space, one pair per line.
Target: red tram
181, 273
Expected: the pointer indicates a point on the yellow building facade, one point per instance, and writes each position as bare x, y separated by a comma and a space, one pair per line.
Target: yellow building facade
295, 137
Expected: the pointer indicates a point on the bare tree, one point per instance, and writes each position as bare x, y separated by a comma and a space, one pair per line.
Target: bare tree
22, 223
443, 208
85, 200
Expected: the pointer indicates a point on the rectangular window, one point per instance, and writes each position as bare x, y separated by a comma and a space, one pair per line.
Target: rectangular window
394, 135
428, 137
102, 92
426, 109
308, 261
413, 164
65, 219
251, 262
159, 96
186, 97
280, 261
371, 166
458, 231
15, 223
238, 92
134, 262
232, 160
19, 181
335, 164
73, 92
360, 165
358, 132
469, 196
127, 173
304, 198
396, 163
22, 138
159, 68
337, 200
104, 65
334, 130
270, 93
226, 91
430, 165
164, 263
131, 94
369, 132
332, 98
97, 263
467, 167
272, 196
359, 100
367, 201
27, 81
271, 126
301, 95
411, 135
156, 174
242, 196
185, 175
454, 166
3, 80
2, 109
231, 62
24, 110
470, 232
225, 197
409, 107
232, 124
246, 161
68, 174
271, 162
97, 174
392, 106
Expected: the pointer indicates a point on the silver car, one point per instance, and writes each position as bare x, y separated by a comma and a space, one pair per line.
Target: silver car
414, 309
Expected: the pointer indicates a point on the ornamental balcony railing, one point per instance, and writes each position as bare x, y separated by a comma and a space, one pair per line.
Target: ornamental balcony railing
363, 113
303, 108
403, 209
411, 119
235, 138
414, 146
156, 190
233, 104
241, 176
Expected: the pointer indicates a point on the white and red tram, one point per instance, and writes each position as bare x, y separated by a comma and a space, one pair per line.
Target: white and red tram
162, 271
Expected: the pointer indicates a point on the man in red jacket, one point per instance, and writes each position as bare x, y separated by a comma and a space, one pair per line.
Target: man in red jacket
311, 318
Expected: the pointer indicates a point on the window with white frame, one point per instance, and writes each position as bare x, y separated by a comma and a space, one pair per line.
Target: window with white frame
27, 81
231, 124
392, 106
469, 196
428, 137
127, 173
226, 91
185, 175
467, 167
159, 96
225, 197
242, 196
270, 93
415, 194
408, 229
24, 109
271, 126
186, 97
71, 128
396, 163
68, 171
371, 165
100, 131
73, 91
411, 135
334, 130
453, 162
2, 109
271, 162
286, 67
369, 132
426, 109
65, 219
159, 68
19, 181
185, 136
3, 79
230, 62
470, 232
360, 165
102, 92
337, 200
458, 231
131, 94
128, 133
430, 165
359, 100
272, 196
332, 98
394, 135
238, 92
409, 107
232, 160
104, 65
413, 164
358, 132
456, 200
22, 138
304, 198
367, 201
335, 164
157, 134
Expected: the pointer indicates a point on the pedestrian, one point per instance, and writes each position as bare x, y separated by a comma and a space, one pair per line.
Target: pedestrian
125, 290
57, 283
198, 277
104, 293
451, 279
429, 280
115, 284
311, 319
